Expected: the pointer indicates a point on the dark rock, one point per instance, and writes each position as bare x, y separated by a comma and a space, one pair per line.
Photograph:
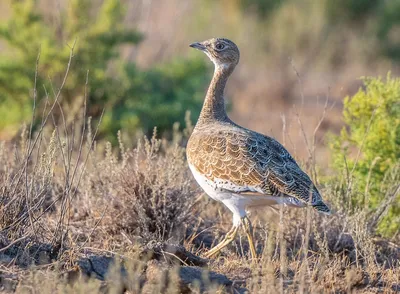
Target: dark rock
339, 242
27, 253
97, 266
187, 279
191, 275
110, 271
8, 283
167, 267
204, 238
396, 288
3, 241
173, 254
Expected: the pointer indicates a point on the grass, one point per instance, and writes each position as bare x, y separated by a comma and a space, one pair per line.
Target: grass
78, 215
122, 199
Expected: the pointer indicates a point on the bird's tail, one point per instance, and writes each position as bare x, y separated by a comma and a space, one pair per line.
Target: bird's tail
321, 207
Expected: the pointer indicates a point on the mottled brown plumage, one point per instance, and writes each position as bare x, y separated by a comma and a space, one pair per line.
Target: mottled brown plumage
226, 151
237, 166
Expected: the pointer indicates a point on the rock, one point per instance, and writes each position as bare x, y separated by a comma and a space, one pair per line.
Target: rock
190, 275
110, 271
97, 266
5, 259
3, 241
8, 283
343, 243
167, 269
173, 254
187, 279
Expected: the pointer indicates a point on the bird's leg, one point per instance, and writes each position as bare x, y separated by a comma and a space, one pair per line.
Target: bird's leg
229, 237
249, 232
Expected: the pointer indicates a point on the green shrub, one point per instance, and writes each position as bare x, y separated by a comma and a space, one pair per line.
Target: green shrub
368, 147
388, 28
134, 99
263, 8
27, 32
351, 10
158, 97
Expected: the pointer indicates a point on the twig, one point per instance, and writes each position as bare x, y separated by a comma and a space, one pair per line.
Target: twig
45, 120
298, 79
94, 228
14, 242
29, 143
314, 136
350, 183
383, 208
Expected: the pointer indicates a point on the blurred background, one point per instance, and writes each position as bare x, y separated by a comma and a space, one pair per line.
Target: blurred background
134, 54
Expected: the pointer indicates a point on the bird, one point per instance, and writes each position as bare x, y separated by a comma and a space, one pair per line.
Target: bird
239, 167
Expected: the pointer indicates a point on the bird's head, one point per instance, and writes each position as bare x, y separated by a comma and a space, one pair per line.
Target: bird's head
223, 52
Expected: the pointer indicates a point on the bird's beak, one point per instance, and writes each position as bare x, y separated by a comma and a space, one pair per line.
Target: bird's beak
198, 46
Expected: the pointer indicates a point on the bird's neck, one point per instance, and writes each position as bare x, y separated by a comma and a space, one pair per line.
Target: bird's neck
214, 103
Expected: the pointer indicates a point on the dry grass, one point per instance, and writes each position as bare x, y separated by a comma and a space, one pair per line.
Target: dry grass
146, 194
124, 198
76, 216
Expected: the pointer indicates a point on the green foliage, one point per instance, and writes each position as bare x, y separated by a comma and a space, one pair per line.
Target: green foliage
378, 18
133, 98
158, 96
27, 33
263, 7
388, 29
351, 10
369, 145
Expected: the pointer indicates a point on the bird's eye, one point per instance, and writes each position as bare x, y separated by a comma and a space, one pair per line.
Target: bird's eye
219, 46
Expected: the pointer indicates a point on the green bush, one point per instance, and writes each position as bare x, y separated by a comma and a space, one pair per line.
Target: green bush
133, 99
263, 8
27, 32
388, 28
351, 10
159, 96
368, 147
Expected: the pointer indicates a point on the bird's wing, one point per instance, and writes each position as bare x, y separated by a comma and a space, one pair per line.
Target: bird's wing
250, 162
223, 157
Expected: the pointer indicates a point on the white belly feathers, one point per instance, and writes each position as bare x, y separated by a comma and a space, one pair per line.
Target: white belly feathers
229, 193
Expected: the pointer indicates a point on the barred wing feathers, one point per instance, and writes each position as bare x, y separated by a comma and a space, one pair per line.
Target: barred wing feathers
253, 162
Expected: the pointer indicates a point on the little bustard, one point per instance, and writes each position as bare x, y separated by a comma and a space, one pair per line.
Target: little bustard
239, 167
